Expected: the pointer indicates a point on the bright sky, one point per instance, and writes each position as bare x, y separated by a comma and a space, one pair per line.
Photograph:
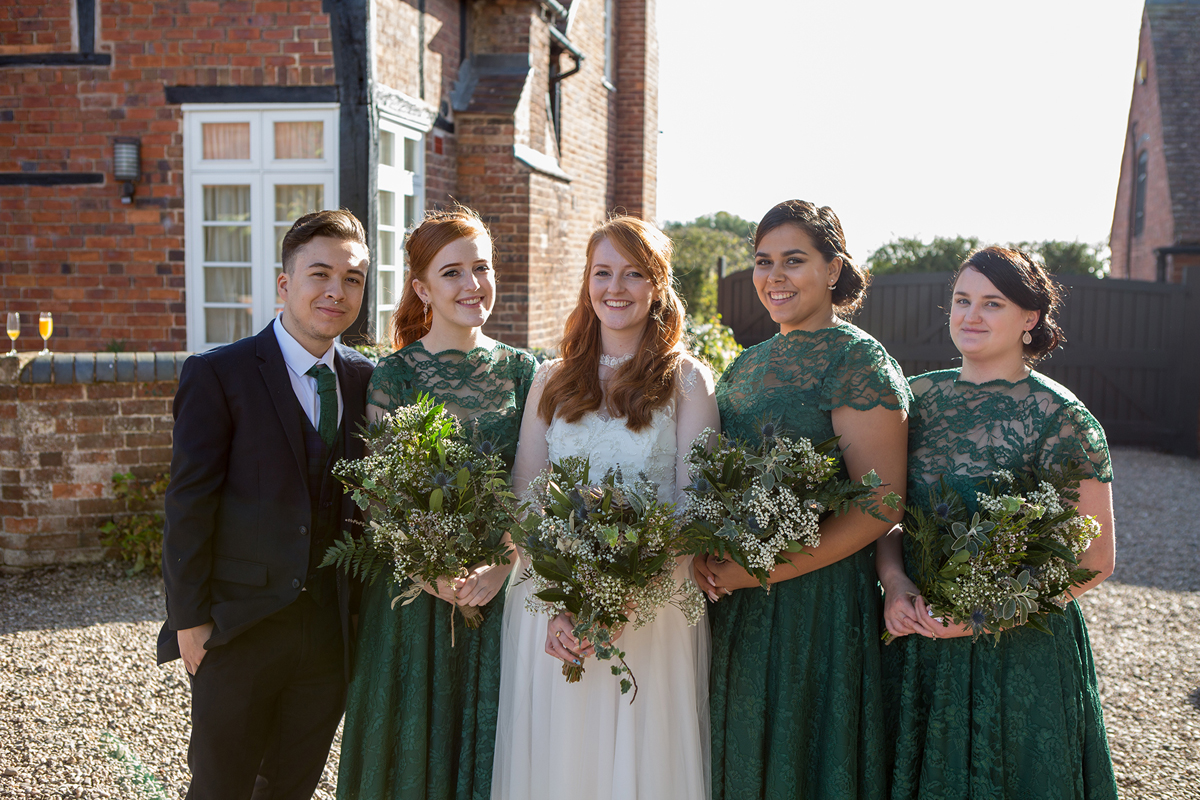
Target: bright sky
1003, 120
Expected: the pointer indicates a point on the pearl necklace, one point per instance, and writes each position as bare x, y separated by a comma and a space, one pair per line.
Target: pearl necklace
614, 361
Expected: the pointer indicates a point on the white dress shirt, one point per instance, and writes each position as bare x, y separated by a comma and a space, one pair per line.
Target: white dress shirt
300, 361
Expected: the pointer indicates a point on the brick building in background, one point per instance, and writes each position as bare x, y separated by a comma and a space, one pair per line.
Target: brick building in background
1156, 223
242, 115
246, 114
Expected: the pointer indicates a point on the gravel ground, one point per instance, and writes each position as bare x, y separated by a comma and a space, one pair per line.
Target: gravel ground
86, 713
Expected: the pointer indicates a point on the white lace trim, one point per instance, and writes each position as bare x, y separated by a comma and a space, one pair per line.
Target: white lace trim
615, 361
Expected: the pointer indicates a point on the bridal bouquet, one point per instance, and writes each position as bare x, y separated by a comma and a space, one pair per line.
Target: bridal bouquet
605, 552
1011, 563
435, 500
753, 504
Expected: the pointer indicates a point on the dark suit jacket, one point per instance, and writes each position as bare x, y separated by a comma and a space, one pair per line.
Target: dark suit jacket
238, 513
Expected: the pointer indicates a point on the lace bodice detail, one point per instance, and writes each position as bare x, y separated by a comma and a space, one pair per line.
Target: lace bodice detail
485, 389
966, 431
608, 443
798, 378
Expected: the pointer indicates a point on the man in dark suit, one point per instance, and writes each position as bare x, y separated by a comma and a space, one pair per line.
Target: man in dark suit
250, 509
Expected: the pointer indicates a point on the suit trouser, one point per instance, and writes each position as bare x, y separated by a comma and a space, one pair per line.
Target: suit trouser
266, 705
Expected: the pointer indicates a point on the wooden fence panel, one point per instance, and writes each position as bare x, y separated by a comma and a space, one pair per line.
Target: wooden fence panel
1132, 353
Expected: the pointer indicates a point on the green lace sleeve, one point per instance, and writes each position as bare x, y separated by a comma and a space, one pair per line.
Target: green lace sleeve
1073, 434
864, 376
524, 368
391, 384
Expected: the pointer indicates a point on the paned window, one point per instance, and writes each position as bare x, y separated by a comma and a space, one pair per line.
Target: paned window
401, 195
250, 172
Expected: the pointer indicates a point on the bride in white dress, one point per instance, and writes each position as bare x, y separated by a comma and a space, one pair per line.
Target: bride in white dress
625, 393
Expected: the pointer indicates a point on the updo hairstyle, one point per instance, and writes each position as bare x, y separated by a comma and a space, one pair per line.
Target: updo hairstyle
1025, 282
825, 230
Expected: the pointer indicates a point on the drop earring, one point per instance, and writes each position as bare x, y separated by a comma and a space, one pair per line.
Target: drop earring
1027, 338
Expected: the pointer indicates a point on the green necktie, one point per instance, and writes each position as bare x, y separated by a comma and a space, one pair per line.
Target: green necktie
327, 391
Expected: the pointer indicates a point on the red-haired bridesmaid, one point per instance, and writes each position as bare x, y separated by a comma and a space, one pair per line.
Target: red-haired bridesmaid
421, 712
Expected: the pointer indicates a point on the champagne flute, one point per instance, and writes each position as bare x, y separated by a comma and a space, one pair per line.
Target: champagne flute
14, 330
46, 329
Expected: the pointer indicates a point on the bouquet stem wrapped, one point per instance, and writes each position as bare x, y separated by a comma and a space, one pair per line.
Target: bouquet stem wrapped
1011, 563
604, 551
754, 504
438, 503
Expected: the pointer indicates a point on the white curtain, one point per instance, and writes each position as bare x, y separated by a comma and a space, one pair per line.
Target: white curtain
299, 139
226, 141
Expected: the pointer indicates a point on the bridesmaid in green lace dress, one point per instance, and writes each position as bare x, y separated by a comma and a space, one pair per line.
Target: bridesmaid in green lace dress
796, 688
421, 711
1021, 719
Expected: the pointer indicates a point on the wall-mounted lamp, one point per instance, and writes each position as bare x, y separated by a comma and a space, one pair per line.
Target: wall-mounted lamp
127, 164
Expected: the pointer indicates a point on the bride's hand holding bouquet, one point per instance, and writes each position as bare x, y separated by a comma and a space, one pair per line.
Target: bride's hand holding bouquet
601, 556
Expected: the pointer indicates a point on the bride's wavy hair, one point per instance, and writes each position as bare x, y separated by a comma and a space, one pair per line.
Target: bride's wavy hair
646, 381
410, 321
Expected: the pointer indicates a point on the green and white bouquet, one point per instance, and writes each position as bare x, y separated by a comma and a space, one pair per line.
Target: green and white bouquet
1011, 563
753, 504
437, 502
605, 552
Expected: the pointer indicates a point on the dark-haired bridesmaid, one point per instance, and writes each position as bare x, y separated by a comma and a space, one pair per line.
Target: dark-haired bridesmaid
796, 696
1019, 719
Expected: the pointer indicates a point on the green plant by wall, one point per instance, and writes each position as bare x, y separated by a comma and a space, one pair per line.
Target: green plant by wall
712, 342
137, 534
376, 352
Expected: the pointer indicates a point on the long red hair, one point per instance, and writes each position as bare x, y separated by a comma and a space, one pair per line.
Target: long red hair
645, 382
439, 228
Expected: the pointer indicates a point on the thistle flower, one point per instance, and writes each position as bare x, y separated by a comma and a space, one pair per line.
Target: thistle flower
943, 510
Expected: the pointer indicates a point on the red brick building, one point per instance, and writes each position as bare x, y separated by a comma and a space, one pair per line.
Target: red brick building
1156, 223
246, 114
240, 115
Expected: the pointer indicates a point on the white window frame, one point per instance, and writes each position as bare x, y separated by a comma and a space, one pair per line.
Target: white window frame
400, 182
610, 46
262, 172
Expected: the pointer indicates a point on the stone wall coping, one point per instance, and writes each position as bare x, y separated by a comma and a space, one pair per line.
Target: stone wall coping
66, 368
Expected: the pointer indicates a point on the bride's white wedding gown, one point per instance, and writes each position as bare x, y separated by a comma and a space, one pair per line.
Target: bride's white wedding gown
584, 740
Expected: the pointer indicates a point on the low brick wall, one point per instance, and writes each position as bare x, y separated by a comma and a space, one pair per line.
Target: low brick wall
68, 422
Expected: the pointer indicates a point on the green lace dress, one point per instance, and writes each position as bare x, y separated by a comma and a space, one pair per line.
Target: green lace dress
420, 714
795, 690
1018, 720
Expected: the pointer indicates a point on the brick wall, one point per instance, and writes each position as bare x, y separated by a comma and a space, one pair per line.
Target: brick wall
61, 441
115, 273
542, 223
398, 64
42, 27
110, 271
1133, 256
491, 180
637, 109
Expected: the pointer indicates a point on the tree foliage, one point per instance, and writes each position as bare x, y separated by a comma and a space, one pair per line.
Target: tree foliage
944, 254
698, 245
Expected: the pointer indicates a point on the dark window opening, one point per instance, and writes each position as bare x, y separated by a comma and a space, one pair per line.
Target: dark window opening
1139, 194
554, 104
